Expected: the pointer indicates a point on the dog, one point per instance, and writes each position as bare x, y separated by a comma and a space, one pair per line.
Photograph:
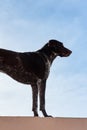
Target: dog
33, 68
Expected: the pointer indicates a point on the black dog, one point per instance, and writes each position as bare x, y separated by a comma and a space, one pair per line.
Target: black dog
33, 68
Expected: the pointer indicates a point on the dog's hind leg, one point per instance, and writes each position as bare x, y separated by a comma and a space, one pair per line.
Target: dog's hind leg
35, 99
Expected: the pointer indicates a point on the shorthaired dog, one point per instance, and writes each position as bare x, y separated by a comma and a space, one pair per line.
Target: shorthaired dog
33, 68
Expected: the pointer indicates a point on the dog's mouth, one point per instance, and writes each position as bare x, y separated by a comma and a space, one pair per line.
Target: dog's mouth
66, 53
69, 53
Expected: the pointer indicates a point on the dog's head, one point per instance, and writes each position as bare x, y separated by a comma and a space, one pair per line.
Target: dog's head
58, 49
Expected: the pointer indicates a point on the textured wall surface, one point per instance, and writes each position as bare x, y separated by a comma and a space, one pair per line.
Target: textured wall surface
32, 123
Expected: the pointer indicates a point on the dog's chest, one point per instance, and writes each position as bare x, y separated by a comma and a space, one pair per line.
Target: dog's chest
47, 71
37, 64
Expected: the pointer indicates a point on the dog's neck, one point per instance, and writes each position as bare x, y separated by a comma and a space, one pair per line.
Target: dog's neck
50, 55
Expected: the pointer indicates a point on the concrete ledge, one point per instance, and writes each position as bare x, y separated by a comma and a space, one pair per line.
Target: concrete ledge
36, 123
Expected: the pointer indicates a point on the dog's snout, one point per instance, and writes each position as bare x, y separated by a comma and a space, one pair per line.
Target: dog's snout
70, 51
66, 52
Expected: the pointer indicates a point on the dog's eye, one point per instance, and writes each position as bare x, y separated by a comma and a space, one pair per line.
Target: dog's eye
61, 45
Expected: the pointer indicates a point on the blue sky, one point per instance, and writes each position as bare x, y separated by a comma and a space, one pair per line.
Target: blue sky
26, 25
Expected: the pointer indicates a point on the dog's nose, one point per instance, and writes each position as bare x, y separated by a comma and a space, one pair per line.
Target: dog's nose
70, 51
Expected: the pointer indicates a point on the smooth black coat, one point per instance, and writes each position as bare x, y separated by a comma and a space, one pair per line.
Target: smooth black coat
33, 68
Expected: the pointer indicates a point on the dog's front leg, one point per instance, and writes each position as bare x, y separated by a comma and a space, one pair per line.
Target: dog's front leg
35, 97
42, 98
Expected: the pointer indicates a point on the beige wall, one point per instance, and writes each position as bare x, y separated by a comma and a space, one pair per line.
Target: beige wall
30, 123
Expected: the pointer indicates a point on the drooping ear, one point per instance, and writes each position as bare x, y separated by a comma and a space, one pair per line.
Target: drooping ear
52, 42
